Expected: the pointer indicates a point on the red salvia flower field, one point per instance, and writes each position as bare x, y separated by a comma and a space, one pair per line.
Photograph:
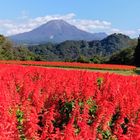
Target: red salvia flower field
72, 65
54, 104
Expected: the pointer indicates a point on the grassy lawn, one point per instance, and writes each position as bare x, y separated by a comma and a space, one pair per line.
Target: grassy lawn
122, 72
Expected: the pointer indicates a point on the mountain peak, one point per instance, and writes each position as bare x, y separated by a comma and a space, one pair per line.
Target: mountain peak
57, 21
57, 24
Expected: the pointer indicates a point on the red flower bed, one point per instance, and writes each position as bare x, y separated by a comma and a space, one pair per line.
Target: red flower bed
40, 104
73, 65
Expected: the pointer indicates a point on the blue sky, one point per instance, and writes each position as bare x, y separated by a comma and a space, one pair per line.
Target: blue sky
91, 15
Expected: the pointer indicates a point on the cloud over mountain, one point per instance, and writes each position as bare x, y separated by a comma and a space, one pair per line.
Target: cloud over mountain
25, 24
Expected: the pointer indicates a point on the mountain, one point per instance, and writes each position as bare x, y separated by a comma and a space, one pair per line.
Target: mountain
55, 31
72, 50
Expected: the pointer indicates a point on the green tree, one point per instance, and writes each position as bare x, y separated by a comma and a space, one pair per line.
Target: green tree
2, 39
137, 53
22, 53
6, 51
125, 56
97, 59
82, 59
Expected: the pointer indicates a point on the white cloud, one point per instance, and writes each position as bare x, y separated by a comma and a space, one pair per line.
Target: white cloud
25, 24
131, 33
90, 25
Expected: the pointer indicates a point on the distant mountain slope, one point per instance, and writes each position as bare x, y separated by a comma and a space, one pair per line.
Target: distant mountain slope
72, 50
55, 31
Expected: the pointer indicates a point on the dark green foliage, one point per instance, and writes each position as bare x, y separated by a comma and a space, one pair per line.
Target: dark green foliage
124, 125
22, 53
64, 109
106, 135
92, 111
100, 82
9, 52
6, 51
125, 56
19, 116
114, 119
44, 52
82, 59
2, 39
98, 59
137, 53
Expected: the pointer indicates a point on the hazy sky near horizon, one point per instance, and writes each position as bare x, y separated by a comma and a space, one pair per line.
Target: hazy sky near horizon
109, 16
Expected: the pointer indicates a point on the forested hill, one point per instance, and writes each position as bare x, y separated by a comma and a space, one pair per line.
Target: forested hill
116, 48
73, 50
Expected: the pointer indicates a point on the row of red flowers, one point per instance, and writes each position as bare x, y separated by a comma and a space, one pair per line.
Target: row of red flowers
54, 104
73, 65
